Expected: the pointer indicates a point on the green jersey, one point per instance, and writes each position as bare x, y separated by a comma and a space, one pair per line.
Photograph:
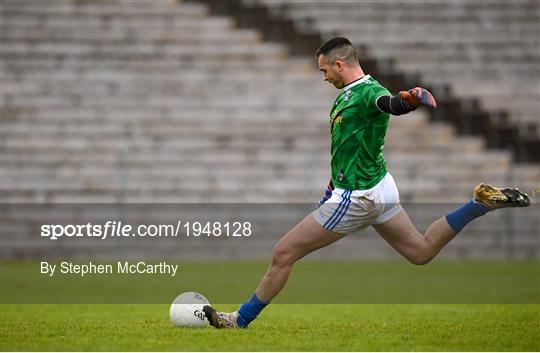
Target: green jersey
358, 129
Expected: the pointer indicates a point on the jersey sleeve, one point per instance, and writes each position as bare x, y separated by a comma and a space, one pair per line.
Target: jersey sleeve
373, 93
370, 100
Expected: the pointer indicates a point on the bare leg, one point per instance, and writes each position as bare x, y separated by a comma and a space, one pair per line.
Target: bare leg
419, 249
306, 237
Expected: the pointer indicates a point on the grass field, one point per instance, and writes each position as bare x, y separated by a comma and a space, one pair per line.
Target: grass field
312, 282
499, 309
330, 327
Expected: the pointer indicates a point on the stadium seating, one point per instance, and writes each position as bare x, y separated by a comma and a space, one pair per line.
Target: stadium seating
487, 49
161, 102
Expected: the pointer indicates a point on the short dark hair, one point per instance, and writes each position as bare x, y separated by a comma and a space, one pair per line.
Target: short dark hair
338, 48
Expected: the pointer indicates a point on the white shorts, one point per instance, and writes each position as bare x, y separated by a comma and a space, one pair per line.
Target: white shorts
351, 211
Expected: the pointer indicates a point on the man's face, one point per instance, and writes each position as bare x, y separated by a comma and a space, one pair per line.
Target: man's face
331, 71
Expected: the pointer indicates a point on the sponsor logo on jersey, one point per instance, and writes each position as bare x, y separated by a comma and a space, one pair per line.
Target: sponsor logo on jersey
336, 120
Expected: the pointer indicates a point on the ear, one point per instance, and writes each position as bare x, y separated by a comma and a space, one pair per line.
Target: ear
339, 65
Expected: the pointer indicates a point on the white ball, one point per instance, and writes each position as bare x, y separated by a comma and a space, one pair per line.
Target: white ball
187, 310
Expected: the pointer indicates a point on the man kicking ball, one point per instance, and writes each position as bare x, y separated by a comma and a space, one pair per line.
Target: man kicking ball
362, 193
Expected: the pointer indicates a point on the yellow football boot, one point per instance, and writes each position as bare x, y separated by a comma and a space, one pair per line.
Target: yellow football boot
494, 198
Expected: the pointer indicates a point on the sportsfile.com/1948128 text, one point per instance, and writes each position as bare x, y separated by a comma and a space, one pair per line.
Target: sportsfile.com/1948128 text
120, 229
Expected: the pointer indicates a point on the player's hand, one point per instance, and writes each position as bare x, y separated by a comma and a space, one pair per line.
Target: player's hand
330, 186
329, 189
327, 193
418, 96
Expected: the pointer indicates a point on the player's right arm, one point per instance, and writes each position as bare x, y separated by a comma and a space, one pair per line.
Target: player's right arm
406, 101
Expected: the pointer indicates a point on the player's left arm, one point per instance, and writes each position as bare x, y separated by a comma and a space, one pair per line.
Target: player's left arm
406, 101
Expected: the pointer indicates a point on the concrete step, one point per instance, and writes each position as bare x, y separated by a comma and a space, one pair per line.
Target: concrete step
112, 21
370, 9
162, 10
250, 101
124, 85
97, 50
459, 52
139, 138
67, 68
147, 115
303, 176
124, 35
212, 131
361, 33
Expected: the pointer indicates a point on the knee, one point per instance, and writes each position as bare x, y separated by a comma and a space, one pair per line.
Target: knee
420, 257
282, 256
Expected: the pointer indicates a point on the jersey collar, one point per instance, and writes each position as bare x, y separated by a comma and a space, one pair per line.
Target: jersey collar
357, 82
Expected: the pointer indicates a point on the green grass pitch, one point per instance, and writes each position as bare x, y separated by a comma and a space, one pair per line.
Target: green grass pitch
484, 324
313, 327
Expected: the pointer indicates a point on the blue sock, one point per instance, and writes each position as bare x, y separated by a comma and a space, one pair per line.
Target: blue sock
249, 310
459, 218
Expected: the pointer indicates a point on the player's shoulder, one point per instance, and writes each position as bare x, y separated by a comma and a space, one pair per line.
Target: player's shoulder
371, 84
364, 82
372, 89
361, 95
365, 87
